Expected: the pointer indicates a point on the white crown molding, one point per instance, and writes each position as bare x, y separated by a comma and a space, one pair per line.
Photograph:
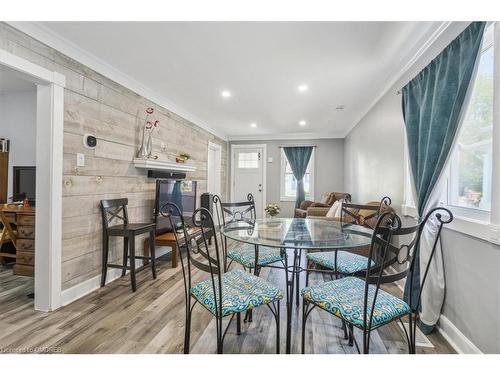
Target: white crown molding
435, 35
285, 136
63, 45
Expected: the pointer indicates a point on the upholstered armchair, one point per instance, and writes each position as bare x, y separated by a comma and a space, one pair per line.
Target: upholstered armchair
309, 208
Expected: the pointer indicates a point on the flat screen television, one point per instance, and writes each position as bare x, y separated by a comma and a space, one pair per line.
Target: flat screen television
180, 192
24, 184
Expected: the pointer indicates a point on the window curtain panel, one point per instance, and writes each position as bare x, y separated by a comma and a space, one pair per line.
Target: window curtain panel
298, 157
434, 103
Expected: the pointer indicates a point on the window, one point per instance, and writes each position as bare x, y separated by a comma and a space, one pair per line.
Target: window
289, 183
474, 162
469, 185
248, 160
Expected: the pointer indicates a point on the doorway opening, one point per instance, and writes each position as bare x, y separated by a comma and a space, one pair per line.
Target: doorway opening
31, 194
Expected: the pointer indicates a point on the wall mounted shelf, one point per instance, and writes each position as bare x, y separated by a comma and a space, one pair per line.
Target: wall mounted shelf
161, 165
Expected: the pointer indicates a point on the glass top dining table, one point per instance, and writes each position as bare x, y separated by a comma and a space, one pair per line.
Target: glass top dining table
297, 233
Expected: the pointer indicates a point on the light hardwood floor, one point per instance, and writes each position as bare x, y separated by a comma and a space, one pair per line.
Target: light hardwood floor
115, 320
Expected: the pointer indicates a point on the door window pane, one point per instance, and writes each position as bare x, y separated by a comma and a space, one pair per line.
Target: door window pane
248, 160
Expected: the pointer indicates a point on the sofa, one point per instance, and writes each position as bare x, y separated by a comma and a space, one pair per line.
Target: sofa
310, 208
365, 217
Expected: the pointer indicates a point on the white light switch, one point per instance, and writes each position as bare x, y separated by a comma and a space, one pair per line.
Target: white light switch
269, 159
80, 160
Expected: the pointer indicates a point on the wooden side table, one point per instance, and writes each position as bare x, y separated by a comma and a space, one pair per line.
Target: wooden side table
168, 239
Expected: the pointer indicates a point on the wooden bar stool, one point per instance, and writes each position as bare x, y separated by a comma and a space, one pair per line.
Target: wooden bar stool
117, 208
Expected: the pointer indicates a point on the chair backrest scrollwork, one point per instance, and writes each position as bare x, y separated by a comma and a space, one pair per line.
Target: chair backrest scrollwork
231, 212
198, 253
392, 262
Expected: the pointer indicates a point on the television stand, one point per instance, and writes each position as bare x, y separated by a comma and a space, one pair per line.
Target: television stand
168, 239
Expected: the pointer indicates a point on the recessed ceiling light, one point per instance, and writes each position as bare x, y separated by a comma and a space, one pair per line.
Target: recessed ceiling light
253, 125
302, 123
226, 94
303, 88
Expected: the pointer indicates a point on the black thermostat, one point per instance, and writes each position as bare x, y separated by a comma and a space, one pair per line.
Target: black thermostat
89, 141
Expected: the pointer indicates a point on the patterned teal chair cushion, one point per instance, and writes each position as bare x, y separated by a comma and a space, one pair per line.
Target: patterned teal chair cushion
344, 299
347, 263
245, 255
241, 291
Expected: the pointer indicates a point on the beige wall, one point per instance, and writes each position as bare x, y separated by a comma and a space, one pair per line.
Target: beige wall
374, 161
373, 154
472, 301
97, 105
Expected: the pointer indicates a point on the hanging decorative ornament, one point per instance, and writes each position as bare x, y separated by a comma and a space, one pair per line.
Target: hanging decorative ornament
146, 149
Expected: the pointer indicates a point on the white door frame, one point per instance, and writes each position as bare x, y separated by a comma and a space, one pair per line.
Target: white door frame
49, 161
235, 147
218, 148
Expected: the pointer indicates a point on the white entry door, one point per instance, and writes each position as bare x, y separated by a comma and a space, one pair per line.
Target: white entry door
248, 174
214, 168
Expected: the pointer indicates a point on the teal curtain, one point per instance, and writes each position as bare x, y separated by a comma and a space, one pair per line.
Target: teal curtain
299, 157
432, 107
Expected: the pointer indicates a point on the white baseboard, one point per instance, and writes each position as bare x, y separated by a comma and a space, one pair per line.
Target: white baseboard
78, 291
452, 334
88, 286
456, 338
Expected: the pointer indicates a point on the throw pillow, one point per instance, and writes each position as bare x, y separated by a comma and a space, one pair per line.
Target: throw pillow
334, 210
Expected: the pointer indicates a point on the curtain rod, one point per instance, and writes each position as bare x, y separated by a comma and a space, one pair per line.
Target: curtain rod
283, 146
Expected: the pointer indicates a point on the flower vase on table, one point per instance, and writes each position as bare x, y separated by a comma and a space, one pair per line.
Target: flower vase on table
272, 210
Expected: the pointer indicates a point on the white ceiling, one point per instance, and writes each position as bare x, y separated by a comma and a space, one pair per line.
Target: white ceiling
10, 81
261, 63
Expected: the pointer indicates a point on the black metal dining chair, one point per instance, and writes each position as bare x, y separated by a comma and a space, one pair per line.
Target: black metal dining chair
243, 254
345, 263
112, 209
341, 263
223, 293
362, 304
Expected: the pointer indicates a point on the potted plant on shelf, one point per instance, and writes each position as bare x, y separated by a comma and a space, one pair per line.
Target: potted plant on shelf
183, 157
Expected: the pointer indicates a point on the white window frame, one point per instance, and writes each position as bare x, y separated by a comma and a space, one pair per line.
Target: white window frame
287, 198
470, 221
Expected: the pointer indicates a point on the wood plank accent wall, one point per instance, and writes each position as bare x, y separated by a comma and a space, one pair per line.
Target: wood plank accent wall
95, 104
